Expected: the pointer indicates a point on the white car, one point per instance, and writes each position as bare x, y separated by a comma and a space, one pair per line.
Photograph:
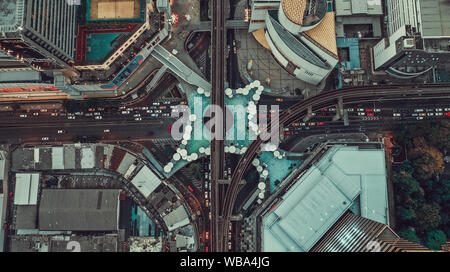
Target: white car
71, 117
106, 130
23, 115
44, 138
98, 117
60, 131
138, 119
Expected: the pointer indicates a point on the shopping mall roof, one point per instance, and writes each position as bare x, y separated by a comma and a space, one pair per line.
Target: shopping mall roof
146, 181
353, 233
294, 10
26, 190
297, 46
79, 209
325, 33
304, 12
323, 194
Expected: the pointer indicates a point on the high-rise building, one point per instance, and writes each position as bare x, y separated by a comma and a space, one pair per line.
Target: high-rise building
37, 33
418, 38
353, 233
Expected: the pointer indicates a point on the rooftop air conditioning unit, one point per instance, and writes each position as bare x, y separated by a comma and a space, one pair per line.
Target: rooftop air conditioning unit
408, 43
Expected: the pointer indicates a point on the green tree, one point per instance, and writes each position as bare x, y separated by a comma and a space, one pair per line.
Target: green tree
427, 218
426, 160
405, 184
405, 214
434, 239
409, 234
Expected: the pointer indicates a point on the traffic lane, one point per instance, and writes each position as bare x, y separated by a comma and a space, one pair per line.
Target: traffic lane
117, 117
93, 131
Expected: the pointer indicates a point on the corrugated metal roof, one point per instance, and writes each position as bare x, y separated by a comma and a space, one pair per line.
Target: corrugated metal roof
26, 189
2, 164
87, 158
79, 209
58, 157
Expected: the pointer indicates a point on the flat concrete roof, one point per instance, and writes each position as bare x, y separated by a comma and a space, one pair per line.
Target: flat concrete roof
146, 181
79, 209
435, 17
8, 9
176, 219
322, 195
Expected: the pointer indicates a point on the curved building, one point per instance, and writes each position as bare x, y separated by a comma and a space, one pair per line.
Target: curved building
301, 36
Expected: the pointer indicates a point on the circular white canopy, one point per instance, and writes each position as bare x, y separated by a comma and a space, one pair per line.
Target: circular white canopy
259, 201
245, 91
207, 94
276, 153
226, 149
256, 97
243, 150
260, 88
262, 186
167, 169
201, 150
178, 150
237, 151
208, 151
261, 195
265, 173
170, 164
176, 157
255, 162
187, 136
228, 91
194, 156
184, 142
183, 152
188, 129
192, 117
232, 149
259, 168
200, 90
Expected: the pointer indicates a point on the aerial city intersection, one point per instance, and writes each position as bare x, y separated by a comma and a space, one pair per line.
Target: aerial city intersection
224, 126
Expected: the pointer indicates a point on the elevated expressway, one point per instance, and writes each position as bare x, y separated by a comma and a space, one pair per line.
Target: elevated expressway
300, 110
